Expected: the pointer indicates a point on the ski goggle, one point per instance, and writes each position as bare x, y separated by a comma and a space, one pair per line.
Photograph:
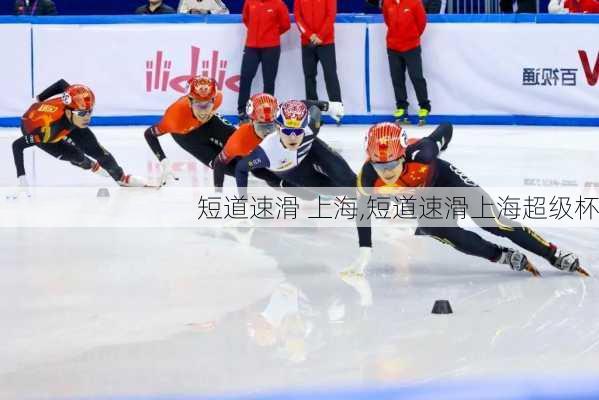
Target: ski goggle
82, 113
387, 165
264, 128
292, 131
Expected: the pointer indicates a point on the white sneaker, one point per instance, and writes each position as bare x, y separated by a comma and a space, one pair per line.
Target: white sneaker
336, 110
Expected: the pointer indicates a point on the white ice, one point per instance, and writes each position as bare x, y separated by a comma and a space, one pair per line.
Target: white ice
130, 311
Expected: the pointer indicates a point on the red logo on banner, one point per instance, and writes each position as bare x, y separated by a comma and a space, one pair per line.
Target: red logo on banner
592, 75
158, 72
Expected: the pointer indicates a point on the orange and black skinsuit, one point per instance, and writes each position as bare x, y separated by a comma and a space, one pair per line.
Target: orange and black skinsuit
46, 126
203, 140
423, 169
243, 141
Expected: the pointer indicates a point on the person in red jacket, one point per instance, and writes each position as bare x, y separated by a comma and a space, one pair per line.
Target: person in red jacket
266, 21
406, 20
316, 20
573, 6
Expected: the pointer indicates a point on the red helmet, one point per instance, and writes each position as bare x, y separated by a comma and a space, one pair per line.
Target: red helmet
262, 107
79, 97
386, 142
202, 88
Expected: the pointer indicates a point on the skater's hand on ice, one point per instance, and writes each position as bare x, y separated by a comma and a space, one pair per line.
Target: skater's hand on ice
358, 266
166, 172
22, 189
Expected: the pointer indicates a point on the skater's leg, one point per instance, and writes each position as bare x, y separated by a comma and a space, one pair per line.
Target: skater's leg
463, 240
198, 146
330, 163
67, 151
87, 141
526, 238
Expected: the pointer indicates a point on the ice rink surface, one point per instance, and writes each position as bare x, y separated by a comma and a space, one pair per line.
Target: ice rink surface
129, 311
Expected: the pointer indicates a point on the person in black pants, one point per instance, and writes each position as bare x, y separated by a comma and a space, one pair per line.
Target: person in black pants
252, 58
266, 21
311, 55
406, 22
315, 20
412, 61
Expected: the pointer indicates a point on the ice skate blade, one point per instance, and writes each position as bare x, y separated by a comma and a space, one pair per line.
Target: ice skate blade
348, 274
582, 272
535, 272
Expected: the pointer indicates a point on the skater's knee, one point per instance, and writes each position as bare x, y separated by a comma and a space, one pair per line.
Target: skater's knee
82, 162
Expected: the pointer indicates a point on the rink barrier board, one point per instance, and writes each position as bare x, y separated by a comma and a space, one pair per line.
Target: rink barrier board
530, 120
342, 18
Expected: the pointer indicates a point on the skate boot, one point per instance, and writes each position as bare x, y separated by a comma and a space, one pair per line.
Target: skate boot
401, 116
422, 115
517, 261
97, 169
134, 181
568, 262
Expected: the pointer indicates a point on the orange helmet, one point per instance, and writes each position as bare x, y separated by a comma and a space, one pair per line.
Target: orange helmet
79, 97
386, 142
262, 107
202, 88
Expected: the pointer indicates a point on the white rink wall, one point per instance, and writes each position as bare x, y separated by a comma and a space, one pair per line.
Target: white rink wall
478, 70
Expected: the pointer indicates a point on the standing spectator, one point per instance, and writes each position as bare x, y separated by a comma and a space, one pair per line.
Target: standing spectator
406, 20
202, 7
573, 6
266, 21
316, 22
35, 7
155, 7
524, 6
